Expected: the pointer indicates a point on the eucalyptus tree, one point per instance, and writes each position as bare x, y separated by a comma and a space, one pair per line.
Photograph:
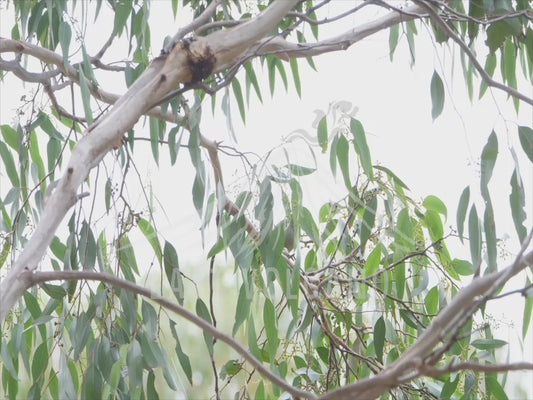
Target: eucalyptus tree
360, 297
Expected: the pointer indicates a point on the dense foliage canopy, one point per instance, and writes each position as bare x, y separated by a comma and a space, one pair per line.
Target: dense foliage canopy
360, 296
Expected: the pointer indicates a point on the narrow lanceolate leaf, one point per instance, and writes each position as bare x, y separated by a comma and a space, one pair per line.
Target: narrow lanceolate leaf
474, 233
172, 270
237, 91
322, 134
379, 338
488, 344
343, 159
154, 138
526, 140
296, 76
518, 202
372, 262
150, 234
182, 357
361, 147
203, 312
270, 320
488, 160
528, 310
65, 34
243, 307
86, 97
490, 236
369, 218
437, 95
461, 211
9, 164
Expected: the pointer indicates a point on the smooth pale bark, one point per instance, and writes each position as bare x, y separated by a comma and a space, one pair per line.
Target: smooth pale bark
164, 75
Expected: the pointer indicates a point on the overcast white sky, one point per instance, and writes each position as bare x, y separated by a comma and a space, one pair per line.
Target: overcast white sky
438, 158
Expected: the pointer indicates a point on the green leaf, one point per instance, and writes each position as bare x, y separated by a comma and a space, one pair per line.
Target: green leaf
393, 39
488, 344
172, 271
7, 360
343, 159
92, 384
525, 134
431, 300
437, 95
409, 318
252, 339
495, 389
392, 175
434, 224
203, 312
151, 391
361, 147
474, 233
126, 256
182, 357
122, 13
435, 204
134, 361
270, 320
490, 67
54, 291
322, 133
461, 211
298, 170
39, 361
528, 312
488, 160
9, 164
11, 136
379, 338
251, 76
372, 261
65, 34
237, 91
404, 234
85, 97
463, 267
369, 218
517, 201
150, 234
243, 306
296, 76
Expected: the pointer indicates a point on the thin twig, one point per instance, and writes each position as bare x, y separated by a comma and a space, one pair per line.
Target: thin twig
457, 39
33, 278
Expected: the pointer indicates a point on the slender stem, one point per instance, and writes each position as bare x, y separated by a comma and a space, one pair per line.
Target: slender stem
34, 278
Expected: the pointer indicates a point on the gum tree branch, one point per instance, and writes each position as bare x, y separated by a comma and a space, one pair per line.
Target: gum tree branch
435, 372
418, 357
37, 277
479, 68
187, 62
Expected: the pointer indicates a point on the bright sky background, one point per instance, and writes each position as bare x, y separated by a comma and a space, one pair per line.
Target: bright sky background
438, 158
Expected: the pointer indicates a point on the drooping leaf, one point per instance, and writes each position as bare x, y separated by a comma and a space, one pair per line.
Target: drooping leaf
379, 338
488, 344
461, 211
474, 233
271, 328
150, 234
322, 132
517, 201
203, 312
525, 134
437, 95
361, 147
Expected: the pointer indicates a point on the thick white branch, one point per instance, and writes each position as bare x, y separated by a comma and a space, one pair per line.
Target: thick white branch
161, 78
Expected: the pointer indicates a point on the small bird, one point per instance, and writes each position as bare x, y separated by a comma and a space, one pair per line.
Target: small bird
289, 235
